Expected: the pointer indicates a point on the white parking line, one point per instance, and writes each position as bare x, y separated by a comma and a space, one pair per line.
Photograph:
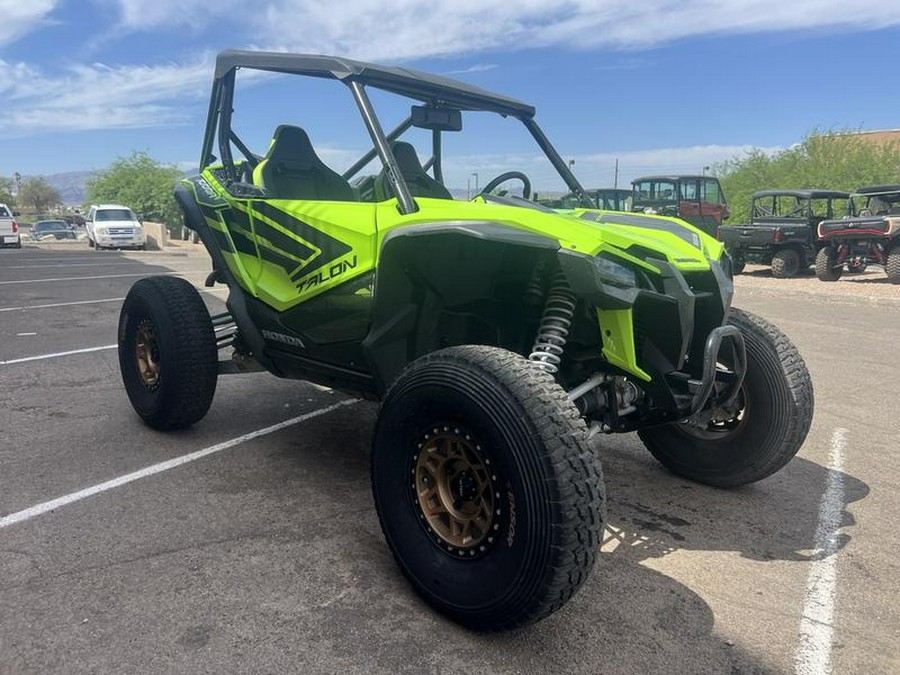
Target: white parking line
58, 304
57, 355
132, 262
105, 276
23, 308
44, 507
814, 653
93, 257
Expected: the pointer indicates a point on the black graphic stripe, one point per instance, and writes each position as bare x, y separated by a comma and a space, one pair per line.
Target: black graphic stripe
242, 243
239, 218
283, 242
222, 240
276, 258
331, 248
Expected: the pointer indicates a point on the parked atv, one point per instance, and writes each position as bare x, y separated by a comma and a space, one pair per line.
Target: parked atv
871, 237
499, 335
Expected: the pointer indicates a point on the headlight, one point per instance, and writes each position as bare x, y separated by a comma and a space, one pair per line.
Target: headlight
100, 229
614, 272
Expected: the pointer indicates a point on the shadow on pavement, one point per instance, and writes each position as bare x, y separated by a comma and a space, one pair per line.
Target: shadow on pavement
627, 618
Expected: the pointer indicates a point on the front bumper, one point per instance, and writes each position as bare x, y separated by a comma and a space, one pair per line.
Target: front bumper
665, 332
108, 241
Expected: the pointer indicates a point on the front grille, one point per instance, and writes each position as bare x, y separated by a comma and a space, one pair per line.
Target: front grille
120, 231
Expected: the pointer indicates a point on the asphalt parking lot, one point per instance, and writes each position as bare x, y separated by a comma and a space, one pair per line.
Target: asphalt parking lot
265, 555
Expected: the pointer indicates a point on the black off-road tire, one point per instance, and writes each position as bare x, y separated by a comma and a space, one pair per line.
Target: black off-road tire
546, 482
738, 265
786, 263
893, 264
778, 408
827, 268
90, 243
185, 349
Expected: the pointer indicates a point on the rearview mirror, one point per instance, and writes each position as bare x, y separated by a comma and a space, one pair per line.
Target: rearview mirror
436, 119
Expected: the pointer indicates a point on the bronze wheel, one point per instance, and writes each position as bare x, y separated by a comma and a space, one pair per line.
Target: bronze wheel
167, 352
487, 489
146, 351
454, 491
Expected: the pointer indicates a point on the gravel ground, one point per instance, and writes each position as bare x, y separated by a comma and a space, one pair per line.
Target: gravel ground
872, 286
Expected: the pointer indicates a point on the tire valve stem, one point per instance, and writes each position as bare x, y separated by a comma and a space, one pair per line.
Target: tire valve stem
554, 327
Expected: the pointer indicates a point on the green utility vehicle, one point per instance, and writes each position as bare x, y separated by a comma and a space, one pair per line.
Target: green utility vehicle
498, 335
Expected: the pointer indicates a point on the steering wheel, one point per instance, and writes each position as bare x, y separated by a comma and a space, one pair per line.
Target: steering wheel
509, 175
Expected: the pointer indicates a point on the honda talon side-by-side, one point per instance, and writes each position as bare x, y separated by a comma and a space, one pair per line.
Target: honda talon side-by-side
499, 335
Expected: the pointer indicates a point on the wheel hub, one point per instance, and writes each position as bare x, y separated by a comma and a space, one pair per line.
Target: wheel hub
454, 491
146, 351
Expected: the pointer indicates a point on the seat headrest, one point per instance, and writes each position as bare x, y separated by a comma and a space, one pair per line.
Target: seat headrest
406, 157
291, 146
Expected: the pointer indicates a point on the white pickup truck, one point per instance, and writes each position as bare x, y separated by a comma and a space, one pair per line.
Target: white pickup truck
9, 228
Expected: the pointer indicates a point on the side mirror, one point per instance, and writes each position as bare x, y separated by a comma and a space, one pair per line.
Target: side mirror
16, 214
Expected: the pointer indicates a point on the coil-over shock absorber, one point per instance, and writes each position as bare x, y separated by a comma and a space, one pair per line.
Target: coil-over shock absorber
554, 327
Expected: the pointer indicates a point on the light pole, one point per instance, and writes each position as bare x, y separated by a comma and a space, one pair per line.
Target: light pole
705, 169
475, 173
18, 178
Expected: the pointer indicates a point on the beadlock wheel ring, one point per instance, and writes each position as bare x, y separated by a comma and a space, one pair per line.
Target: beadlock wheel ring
454, 492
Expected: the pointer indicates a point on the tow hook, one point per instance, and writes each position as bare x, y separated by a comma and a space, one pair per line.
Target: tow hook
704, 390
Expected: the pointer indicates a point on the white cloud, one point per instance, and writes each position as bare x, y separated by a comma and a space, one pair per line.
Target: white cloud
409, 29
151, 14
18, 17
477, 68
102, 96
98, 96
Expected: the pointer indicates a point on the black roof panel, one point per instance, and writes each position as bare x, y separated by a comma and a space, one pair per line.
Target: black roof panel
415, 84
810, 193
674, 178
873, 189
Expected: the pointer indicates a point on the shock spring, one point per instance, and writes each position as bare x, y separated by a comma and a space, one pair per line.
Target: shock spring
554, 327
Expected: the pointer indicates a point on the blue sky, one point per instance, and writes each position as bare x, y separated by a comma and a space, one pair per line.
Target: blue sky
663, 86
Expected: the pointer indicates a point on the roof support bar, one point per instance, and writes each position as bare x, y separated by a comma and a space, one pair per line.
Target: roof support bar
406, 203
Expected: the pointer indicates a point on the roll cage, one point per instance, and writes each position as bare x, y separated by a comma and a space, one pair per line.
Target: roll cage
432, 90
795, 204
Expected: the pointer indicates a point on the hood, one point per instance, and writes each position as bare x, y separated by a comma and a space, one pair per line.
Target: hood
584, 231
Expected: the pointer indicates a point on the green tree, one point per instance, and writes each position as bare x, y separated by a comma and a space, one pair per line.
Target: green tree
141, 183
833, 160
39, 195
6, 191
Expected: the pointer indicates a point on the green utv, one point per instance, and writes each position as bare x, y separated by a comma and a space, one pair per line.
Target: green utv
499, 335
